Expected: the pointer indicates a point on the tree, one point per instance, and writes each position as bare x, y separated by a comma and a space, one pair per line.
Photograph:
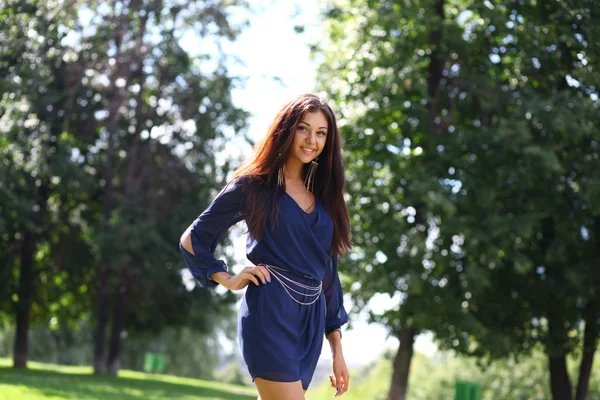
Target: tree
391, 95
35, 110
447, 150
109, 132
160, 102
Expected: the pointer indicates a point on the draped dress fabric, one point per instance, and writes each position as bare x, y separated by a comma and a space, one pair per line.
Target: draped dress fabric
280, 339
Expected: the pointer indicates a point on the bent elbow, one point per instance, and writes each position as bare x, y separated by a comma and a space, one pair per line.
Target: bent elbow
186, 240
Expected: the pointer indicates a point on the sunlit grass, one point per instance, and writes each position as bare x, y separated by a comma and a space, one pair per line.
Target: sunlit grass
430, 378
48, 381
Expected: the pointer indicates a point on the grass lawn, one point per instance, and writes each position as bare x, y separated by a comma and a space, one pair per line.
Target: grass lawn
49, 381
46, 381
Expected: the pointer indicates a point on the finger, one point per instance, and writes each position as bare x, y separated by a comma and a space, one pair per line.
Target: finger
257, 271
250, 277
338, 386
265, 273
344, 385
338, 392
332, 380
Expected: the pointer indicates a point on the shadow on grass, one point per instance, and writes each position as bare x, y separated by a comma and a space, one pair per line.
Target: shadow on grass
91, 387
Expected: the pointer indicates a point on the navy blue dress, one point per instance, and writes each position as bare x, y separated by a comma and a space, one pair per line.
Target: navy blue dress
280, 338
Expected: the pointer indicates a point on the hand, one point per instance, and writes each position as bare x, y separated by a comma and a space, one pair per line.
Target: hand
255, 274
341, 377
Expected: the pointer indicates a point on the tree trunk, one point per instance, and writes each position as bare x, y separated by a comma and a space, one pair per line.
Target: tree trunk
399, 384
590, 342
117, 97
102, 296
114, 356
114, 349
101, 320
30, 237
25, 293
115, 101
436, 66
559, 378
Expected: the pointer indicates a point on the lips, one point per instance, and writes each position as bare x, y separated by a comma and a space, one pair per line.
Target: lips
307, 150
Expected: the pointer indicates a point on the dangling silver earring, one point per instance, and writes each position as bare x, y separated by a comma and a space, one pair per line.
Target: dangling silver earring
309, 181
281, 176
280, 173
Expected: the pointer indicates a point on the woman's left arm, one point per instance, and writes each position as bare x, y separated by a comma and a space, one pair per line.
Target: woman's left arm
335, 318
340, 379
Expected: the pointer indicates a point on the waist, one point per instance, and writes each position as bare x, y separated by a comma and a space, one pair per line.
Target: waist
290, 272
303, 289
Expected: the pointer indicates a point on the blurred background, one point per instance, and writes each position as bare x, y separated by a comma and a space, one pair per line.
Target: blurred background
471, 145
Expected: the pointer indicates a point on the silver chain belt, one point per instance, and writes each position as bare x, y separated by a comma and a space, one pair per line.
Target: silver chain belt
281, 278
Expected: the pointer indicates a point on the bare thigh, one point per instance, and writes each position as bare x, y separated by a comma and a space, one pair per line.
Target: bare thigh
271, 390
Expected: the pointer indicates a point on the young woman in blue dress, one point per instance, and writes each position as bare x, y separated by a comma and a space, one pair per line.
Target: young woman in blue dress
290, 194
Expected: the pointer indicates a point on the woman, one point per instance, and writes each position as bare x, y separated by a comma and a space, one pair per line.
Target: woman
290, 194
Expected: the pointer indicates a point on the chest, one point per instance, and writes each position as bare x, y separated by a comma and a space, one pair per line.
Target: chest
309, 233
303, 198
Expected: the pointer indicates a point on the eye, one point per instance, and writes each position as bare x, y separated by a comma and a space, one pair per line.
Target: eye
302, 128
322, 133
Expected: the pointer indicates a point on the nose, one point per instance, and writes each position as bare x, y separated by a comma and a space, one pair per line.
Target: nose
311, 137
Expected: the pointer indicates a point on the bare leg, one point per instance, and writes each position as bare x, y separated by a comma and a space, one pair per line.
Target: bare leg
271, 390
261, 399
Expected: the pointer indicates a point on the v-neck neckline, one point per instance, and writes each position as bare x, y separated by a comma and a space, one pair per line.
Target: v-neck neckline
319, 215
298, 205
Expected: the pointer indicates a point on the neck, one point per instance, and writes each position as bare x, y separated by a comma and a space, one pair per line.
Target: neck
293, 170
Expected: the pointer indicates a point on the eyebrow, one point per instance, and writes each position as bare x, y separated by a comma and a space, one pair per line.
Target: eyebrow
304, 122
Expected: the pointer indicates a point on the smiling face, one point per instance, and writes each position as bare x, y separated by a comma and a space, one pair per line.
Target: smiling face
310, 137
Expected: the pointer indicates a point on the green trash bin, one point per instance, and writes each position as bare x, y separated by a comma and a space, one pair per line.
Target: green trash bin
159, 363
148, 360
154, 362
468, 391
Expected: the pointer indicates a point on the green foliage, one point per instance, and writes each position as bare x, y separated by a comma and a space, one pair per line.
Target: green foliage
235, 373
44, 380
108, 130
42, 187
187, 352
472, 146
525, 378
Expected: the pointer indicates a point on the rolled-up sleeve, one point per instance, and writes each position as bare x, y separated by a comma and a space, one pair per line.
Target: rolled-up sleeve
336, 315
225, 210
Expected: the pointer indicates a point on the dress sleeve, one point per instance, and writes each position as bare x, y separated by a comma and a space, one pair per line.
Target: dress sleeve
225, 210
336, 314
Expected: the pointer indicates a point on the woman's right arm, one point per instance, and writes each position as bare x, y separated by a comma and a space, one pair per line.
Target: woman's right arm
200, 239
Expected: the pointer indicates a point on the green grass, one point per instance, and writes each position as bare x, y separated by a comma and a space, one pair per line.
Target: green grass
46, 381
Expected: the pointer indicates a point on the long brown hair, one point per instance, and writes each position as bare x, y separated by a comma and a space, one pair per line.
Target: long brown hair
272, 152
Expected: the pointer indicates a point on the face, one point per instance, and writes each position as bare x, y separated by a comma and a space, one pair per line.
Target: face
310, 137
